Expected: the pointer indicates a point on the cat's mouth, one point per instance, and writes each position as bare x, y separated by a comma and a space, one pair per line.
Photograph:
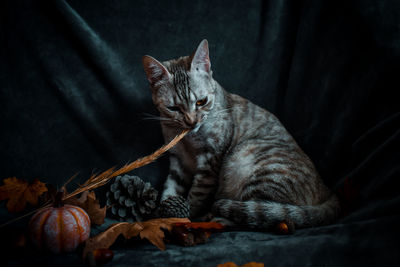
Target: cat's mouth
196, 128
193, 124
192, 128
197, 125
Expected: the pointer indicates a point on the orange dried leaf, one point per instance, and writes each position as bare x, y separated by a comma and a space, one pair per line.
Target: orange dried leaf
191, 234
253, 264
108, 237
19, 192
228, 264
202, 225
151, 230
90, 204
250, 264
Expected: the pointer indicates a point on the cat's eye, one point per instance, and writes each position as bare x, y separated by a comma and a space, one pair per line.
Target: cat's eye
201, 102
174, 108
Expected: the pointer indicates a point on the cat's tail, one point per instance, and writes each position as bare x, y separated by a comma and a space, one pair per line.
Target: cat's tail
266, 215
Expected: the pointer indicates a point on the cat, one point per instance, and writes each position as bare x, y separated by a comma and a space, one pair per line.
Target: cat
238, 161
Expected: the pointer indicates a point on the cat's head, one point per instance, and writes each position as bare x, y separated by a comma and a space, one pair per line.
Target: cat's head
182, 89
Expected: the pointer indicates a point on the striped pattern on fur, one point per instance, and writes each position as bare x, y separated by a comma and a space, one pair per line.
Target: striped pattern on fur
238, 162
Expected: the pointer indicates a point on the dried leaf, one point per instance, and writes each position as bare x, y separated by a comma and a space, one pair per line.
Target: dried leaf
90, 204
250, 264
108, 237
19, 192
253, 264
151, 230
211, 226
191, 234
228, 264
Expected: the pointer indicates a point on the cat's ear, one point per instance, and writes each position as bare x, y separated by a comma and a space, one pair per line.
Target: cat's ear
155, 71
201, 58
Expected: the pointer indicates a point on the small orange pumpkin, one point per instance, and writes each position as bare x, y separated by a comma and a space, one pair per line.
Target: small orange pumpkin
59, 229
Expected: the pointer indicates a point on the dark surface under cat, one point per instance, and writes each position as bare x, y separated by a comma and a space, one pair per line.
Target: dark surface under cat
74, 95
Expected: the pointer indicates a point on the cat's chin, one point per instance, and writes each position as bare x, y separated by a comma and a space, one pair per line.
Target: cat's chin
195, 129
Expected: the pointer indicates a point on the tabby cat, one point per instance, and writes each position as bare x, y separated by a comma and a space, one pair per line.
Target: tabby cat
238, 161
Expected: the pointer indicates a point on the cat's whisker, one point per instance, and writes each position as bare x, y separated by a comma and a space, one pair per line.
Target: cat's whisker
219, 112
172, 122
148, 116
157, 118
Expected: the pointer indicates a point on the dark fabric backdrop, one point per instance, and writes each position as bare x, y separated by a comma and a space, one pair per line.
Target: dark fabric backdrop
74, 96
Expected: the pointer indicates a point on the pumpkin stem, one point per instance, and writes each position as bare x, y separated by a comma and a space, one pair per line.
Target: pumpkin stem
58, 199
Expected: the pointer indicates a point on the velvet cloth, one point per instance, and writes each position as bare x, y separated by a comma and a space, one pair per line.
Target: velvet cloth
74, 98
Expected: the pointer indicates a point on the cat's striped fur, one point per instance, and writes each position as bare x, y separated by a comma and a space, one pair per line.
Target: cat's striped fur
238, 161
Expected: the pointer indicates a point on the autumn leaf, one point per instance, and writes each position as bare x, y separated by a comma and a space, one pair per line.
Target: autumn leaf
90, 204
19, 192
191, 234
151, 230
253, 264
228, 264
250, 264
108, 237
210, 226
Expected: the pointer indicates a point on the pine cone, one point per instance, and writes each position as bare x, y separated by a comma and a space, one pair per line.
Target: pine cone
131, 198
174, 207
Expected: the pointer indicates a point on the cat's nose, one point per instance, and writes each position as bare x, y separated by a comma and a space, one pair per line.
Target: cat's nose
190, 120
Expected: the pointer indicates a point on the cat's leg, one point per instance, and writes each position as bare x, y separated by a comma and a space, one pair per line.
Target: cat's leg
201, 194
175, 184
173, 201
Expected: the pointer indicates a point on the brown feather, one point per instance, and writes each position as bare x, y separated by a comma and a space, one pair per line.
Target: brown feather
98, 180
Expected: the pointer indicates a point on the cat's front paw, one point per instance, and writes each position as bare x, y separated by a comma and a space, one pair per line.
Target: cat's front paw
174, 207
